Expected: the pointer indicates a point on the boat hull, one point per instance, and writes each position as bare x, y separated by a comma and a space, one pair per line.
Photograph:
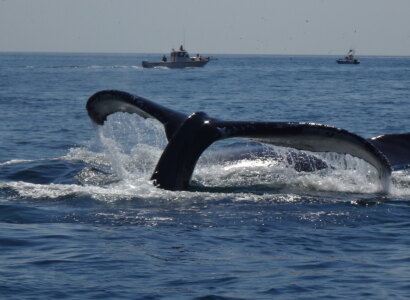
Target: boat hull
347, 62
175, 65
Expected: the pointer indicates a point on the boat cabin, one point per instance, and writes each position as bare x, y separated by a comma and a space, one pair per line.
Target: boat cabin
179, 56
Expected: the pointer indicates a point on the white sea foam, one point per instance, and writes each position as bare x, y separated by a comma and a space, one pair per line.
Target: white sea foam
120, 163
19, 161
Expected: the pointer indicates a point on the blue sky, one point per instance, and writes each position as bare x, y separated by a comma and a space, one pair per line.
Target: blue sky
372, 27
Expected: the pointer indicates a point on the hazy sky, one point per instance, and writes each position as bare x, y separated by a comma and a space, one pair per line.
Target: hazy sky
372, 27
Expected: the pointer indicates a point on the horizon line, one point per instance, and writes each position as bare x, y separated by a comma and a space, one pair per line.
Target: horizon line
161, 53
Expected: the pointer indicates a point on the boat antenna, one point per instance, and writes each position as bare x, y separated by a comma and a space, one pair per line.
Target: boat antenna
183, 42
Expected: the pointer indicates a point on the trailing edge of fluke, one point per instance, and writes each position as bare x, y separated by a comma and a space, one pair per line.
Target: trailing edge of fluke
189, 135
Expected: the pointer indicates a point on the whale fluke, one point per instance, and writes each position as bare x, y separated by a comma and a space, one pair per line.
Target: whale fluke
396, 147
104, 103
189, 135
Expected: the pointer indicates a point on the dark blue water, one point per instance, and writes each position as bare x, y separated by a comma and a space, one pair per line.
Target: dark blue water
79, 218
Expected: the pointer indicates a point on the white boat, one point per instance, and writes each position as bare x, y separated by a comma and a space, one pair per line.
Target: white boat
348, 59
178, 59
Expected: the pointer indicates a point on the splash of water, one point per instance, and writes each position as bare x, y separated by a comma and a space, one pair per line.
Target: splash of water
119, 164
132, 147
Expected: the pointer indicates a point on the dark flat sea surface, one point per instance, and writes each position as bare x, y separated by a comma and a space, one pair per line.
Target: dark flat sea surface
79, 218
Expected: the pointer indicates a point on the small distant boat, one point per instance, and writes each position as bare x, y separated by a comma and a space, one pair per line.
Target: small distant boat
348, 59
178, 59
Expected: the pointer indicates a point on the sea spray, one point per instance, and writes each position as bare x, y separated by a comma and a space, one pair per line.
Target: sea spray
133, 145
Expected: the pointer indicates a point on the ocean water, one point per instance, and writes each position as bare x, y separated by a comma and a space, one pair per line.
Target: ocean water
79, 218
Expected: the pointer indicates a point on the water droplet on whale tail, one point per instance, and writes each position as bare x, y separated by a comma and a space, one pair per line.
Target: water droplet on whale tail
386, 182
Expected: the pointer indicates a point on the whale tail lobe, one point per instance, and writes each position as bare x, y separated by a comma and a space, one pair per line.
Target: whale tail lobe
189, 135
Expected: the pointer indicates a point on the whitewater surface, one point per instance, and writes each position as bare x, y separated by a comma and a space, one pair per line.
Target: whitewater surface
120, 160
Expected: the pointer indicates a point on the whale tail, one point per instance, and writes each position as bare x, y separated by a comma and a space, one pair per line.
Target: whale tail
104, 103
189, 135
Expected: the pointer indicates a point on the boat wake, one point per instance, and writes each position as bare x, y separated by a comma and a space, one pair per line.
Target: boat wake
118, 164
90, 67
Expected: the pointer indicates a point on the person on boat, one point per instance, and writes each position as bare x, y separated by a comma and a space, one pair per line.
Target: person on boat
181, 48
164, 59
